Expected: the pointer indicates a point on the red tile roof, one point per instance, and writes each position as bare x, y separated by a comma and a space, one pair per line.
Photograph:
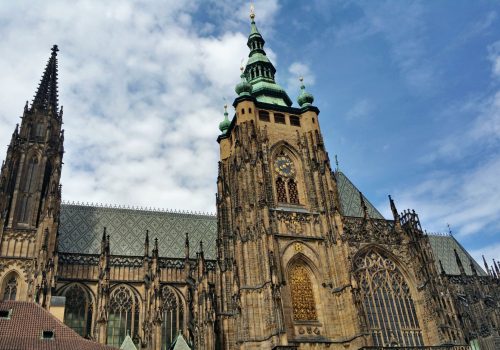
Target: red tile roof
23, 331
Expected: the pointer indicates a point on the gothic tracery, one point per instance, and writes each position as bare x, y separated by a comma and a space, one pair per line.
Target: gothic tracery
10, 288
123, 316
387, 302
303, 303
78, 310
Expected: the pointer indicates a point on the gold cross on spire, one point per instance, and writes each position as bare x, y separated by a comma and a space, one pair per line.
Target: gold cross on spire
252, 12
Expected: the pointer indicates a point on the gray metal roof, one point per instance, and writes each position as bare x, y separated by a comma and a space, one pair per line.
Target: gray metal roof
81, 228
350, 201
443, 247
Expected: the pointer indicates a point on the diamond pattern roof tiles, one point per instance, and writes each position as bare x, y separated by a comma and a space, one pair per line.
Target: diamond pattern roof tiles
81, 228
443, 247
349, 198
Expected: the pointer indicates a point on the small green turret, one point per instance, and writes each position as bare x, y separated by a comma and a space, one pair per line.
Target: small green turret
224, 125
305, 99
243, 88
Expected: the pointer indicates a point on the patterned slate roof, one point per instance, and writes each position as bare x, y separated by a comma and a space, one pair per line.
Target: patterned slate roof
81, 228
349, 198
443, 247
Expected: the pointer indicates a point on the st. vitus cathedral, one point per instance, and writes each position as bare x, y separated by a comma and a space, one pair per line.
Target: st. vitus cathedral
296, 257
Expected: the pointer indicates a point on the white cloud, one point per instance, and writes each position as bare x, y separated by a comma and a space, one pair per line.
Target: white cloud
360, 110
142, 86
494, 56
468, 200
297, 70
490, 252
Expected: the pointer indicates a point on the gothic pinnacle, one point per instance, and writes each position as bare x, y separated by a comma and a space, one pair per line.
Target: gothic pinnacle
46, 97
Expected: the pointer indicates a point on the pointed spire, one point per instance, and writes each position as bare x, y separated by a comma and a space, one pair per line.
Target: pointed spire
186, 246
394, 209
459, 262
441, 267
495, 266
46, 97
259, 71
146, 244
155, 249
473, 267
363, 205
103, 240
486, 265
337, 168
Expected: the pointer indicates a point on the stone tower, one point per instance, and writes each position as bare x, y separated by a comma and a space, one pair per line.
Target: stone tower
278, 219
301, 262
30, 195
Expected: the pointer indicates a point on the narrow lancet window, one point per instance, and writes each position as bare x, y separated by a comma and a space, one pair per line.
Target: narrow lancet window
303, 303
280, 190
10, 288
173, 317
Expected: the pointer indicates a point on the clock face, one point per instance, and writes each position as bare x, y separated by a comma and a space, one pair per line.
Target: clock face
284, 166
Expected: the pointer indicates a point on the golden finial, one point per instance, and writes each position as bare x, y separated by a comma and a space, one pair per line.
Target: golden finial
241, 65
252, 12
301, 79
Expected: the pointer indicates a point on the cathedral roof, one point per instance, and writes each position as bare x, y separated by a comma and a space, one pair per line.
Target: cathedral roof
349, 198
443, 247
29, 326
81, 228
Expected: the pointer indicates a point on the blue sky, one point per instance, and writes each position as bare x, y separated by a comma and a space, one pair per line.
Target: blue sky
409, 94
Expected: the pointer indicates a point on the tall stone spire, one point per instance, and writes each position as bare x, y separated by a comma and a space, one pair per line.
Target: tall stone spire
46, 97
259, 71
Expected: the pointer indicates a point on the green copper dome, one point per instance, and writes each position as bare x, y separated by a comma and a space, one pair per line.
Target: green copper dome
305, 98
243, 88
224, 125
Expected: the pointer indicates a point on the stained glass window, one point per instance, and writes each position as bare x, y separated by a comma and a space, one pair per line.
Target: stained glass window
78, 310
304, 306
388, 304
280, 190
173, 317
292, 191
10, 288
123, 315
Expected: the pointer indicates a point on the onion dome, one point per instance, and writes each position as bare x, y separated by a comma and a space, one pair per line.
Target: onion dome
305, 99
243, 88
224, 125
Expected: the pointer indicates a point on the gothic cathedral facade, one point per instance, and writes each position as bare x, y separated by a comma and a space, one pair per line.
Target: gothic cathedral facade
296, 257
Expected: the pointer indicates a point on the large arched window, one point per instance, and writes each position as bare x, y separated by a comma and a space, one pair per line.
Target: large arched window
387, 301
123, 315
286, 184
173, 316
78, 310
301, 288
10, 287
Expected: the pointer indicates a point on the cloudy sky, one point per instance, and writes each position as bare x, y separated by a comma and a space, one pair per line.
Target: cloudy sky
409, 94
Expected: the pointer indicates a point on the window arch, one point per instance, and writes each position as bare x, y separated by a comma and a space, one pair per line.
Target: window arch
286, 182
301, 288
173, 316
123, 315
281, 190
78, 310
387, 301
10, 286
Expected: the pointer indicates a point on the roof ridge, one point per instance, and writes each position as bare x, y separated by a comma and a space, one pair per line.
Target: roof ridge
137, 208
